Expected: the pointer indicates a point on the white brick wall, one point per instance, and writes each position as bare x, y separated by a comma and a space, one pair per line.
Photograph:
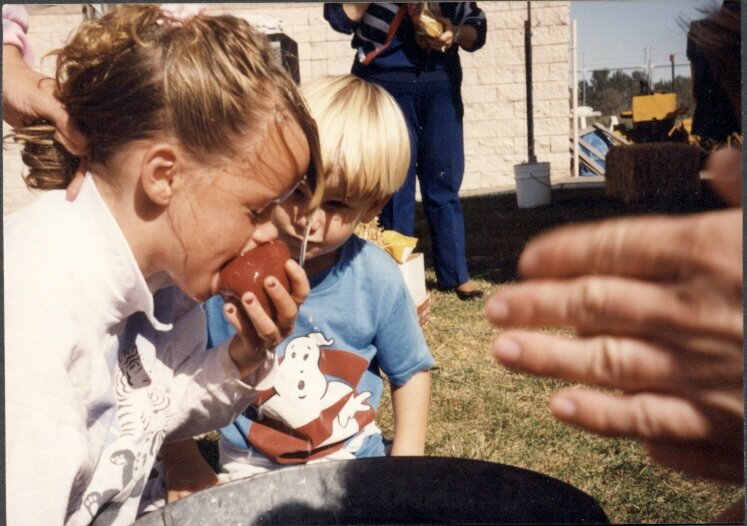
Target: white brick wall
494, 89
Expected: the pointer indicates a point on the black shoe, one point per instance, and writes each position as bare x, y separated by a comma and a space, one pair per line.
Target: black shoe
464, 295
468, 295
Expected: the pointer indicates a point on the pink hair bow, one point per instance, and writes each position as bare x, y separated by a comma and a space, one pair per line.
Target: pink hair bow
183, 12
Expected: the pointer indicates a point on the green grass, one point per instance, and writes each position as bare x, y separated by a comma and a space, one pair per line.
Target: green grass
481, 411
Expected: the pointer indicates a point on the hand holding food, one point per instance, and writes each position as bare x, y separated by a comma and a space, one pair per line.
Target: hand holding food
263, 289
247, 273
431, 30
426, 22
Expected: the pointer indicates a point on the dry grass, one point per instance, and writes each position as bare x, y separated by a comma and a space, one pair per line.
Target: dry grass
479, 410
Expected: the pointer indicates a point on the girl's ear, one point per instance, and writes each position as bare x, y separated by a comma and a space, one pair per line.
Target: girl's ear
158, 173
374, 210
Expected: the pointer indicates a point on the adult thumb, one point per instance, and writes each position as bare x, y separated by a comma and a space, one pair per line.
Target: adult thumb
73, 187
725, 168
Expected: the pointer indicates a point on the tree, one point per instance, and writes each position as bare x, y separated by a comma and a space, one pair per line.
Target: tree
612, 93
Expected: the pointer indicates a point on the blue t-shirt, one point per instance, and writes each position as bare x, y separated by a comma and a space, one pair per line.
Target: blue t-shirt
358, 321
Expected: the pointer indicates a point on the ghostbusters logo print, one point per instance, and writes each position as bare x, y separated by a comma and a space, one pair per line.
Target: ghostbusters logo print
313, 407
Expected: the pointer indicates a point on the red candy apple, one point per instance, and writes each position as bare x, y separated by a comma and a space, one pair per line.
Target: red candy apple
247, 273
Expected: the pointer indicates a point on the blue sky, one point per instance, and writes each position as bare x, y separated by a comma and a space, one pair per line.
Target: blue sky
613, 33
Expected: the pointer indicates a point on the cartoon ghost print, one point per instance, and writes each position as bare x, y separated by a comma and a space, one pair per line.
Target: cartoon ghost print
306, 397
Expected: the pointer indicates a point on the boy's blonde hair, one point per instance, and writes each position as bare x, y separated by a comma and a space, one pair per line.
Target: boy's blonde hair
362, 133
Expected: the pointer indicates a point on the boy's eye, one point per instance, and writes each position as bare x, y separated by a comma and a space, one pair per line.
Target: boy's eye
336, 205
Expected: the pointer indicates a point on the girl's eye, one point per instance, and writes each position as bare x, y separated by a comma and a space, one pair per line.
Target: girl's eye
298, 193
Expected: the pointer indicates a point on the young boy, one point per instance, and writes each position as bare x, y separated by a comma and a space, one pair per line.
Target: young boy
357, 322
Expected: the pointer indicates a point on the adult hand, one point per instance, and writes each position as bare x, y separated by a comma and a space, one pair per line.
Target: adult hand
29, 95
71, 192
725, 169
441, 43
355, 10
256, 331
657, 307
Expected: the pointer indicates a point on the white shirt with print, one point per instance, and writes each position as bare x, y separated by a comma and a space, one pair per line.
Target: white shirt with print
98, 369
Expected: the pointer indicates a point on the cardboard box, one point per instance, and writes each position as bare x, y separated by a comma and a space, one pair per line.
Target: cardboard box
413, 271
424, 310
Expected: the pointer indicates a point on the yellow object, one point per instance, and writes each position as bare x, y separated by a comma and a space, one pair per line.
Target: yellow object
653, 107
432, 27
688, 125
399, 246
371, 231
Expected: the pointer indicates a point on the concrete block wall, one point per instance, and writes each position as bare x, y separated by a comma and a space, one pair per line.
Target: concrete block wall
49, 27
493, 90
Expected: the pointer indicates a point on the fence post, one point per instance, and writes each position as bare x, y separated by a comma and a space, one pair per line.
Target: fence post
574, 104
528, 67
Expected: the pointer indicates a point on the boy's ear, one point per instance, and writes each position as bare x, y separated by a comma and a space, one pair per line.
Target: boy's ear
374, 210
158, 174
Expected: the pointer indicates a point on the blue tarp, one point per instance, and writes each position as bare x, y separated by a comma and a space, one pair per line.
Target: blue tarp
599, 142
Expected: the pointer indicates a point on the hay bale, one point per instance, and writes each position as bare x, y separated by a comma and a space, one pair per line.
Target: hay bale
637, 172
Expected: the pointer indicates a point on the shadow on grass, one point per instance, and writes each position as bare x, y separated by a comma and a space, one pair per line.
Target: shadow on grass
497, 229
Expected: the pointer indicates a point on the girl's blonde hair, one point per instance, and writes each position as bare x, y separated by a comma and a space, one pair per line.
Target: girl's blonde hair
135, 73
363, 135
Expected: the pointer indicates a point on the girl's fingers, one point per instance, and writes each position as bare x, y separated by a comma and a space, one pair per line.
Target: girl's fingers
239, 322
256, 326
648, 416
264, 326
253, 325
299, 282
635, 247
609, 304
286, 308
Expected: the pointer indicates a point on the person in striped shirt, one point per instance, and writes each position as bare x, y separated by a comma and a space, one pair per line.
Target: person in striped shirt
423, 73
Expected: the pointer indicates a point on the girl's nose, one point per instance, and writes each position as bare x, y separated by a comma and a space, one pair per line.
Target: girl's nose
264, 233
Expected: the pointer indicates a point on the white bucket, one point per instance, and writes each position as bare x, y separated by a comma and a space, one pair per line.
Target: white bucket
532, 184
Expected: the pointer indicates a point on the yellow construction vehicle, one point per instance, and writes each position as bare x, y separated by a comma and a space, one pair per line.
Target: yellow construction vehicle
653, 118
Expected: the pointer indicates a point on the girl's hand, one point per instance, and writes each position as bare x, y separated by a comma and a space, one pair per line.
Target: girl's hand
256, 331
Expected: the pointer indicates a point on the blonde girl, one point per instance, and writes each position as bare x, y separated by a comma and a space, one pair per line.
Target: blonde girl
194, 134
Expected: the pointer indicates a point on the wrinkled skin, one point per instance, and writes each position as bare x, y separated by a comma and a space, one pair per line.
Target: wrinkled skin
656, 304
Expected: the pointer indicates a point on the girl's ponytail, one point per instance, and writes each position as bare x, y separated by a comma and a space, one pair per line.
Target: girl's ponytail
51, 166
138, 71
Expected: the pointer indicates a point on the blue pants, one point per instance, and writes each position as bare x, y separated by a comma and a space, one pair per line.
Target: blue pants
437, 140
